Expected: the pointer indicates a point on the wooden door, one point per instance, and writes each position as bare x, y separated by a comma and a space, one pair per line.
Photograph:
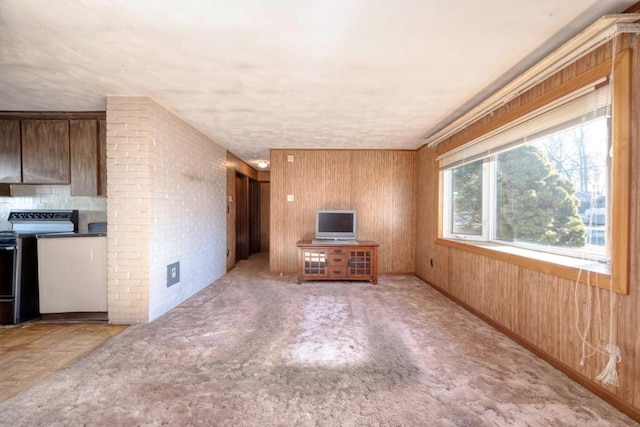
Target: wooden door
45, 152
360, 263
247, 217
242, 217
313, 263
83, 142
265, 203
10, 163
254, 217
102, 157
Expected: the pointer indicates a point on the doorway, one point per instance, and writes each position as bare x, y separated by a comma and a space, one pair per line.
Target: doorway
247, 216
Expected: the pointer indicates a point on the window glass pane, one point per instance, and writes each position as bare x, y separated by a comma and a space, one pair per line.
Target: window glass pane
467, 199
553, 190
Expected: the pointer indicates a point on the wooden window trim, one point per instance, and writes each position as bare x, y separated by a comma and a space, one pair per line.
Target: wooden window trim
621, 172
617, 278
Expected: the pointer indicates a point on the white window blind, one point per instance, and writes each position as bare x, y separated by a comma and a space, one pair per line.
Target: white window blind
583, 105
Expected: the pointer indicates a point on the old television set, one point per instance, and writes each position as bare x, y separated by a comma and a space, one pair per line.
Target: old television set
335, 225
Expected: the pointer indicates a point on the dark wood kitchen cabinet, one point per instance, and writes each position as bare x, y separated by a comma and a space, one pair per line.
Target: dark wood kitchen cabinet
45, 152
83, 144
10, 162
88, 144
54, 148
102, 157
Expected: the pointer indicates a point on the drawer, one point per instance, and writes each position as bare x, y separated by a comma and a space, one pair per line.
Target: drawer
337, 251
337, 272
337, 260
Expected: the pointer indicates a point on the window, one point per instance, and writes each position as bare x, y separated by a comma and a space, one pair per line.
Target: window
546, 182
466, 200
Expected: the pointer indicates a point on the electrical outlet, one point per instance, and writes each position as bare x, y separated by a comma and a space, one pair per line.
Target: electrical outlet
173, 273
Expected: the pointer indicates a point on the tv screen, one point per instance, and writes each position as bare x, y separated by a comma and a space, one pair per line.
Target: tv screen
336, 224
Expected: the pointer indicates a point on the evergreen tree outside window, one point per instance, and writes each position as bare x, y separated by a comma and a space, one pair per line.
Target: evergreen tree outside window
544, 187
467, 199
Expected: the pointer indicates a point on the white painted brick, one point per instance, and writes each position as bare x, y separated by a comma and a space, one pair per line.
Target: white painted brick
158, 169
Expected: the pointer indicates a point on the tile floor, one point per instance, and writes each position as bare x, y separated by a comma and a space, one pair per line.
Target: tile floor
32, 351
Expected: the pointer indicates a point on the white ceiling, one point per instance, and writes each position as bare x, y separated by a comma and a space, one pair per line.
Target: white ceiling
257, 75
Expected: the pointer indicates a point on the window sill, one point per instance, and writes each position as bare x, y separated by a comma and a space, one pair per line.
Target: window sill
586, 271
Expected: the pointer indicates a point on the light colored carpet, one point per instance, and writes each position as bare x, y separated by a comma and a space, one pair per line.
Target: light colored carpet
256, 350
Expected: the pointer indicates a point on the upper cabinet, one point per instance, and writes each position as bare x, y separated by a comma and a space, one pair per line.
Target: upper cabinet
54, 148
10, 164
45, 152
84, 157
88, 160
102, 157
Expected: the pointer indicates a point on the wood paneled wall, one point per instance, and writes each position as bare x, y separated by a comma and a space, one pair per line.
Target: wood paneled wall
378, 184
536, 308
264, 176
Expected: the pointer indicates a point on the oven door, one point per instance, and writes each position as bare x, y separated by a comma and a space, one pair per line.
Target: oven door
8, 256
7, 271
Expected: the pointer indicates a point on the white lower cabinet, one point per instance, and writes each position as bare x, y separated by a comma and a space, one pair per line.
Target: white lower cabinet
72, 273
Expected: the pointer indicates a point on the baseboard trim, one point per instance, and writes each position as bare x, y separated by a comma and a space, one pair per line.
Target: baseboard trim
601, 392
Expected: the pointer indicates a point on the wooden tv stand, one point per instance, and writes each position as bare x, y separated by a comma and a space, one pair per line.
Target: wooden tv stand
337, 261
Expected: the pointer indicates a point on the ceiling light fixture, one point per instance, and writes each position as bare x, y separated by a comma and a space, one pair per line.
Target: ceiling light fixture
262, 164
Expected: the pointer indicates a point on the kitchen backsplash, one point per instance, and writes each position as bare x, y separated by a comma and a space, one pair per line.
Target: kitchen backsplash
90, 209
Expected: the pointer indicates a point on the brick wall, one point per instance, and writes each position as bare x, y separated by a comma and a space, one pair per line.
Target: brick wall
166, 189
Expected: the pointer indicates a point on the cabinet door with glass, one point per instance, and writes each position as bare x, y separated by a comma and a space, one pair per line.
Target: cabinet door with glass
360, 263
314, 263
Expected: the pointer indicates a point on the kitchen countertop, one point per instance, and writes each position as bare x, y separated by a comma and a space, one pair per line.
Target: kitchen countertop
66, 235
